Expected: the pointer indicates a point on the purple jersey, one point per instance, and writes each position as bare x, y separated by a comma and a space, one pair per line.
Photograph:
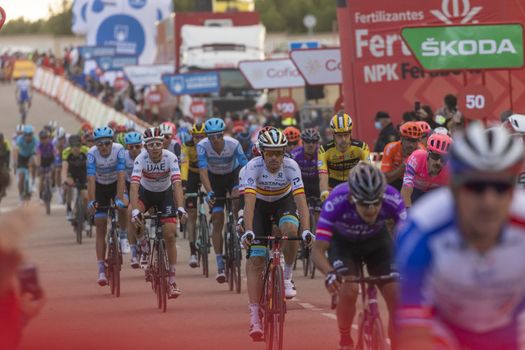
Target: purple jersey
308, 167
339, 215
46, 150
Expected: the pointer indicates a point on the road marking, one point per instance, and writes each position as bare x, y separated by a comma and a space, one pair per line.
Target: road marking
329, 315
307, 306
11, 208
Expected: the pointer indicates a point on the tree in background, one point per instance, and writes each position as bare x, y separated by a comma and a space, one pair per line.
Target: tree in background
58, 22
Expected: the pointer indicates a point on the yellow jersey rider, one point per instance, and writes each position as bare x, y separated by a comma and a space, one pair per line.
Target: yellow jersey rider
337, 157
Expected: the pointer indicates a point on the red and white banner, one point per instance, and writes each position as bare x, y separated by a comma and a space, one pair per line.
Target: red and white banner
198, 108
271, 74
286, 106
380, 74
319, 66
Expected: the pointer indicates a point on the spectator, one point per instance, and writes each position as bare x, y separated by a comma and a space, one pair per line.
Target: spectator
387, 131
130, 106
425, 114
271, 118
454, 118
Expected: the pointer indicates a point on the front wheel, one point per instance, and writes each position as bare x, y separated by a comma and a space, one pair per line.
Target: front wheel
378, 336
276, 314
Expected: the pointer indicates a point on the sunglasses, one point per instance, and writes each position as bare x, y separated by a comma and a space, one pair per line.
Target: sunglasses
367, 204
407, 139
156, 144
275, 154
216, 136
134, 147
310, 141
480, 187
104, 143
437, 156
293, 143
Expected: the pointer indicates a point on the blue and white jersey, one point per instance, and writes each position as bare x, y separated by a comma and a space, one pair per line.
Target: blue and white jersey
478, 296
23, 86
231, 157
129, 165
26, 149
106, 169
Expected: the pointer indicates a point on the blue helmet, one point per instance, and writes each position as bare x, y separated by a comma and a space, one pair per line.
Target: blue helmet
243, 137
28, 129
184, 136
133, 138
214, 125
103, 132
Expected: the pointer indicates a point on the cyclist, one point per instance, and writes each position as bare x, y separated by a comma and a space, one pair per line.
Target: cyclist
74, 159
273, 188
337, 157
133, 141
120, 134
463, 270
244, 137
60, 143
23, 157
352, 229
170, 143
220, 158
515, 124
5, 152
425, 131
156, 182
293, 135
23, 96
106, 175
425, 169
191, 179
45, 157
396, 153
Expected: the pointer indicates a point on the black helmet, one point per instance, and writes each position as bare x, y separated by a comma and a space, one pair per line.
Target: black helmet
367, 182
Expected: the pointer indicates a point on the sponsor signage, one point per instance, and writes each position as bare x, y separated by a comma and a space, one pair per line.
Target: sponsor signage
192, 83
318, 67
154, 97
475, 101
147, 75
198, 108
485, 46
286, 106
271, 74
109, 63
91, 52
23, 68
296, 45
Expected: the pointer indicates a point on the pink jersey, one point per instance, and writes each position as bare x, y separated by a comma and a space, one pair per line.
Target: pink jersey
416, 173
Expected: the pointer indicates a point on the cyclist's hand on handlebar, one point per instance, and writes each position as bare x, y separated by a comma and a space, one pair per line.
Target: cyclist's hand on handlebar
92, 207
136, 217
182, 214
324, 195
210, 198
247, 238
332, 282
308, 237
122, 203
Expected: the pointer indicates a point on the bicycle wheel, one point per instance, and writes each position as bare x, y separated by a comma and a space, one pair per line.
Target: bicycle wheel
162, 291
117, 262
237, 257
110, 263
277, 309
362, 342
313, 225
47, 194
306, 258
204, 245
79, 215
228, 259
378, 336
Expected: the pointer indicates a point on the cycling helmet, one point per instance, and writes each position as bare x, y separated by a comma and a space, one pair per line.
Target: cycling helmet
61, 133
197, 129
120, 128
292, 134
517, 122
133, 138
43, 134
152, 134
166, 129
130, 125
53, 124
367, 183
273, 138
243, 136
184, 136
341, 122
112, 124
86, 127
410, 130
310, 135
441, 130
438, 143
214, 125
75, 140
20, 128
28, 129
485, 150
425, 127
102, 133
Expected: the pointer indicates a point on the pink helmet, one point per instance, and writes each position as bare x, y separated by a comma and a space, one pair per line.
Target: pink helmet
439, 143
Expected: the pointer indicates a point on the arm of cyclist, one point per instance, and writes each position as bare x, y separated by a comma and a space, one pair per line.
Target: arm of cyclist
322, 168
122, 200
178, 196
408, 181
203, 173
15, 157
91, 166
65, 170
249, 207
319, 253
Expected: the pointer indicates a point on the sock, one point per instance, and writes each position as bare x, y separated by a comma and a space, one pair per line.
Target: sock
288, 269
101, 266
133, 248
123, 234
220, 262
254, 312
171, 278
193, 248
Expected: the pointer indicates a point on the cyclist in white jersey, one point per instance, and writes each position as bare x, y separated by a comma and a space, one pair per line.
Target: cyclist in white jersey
170, 141
461, 252
273, 188
133, 141
23, 96
220, 158
106, 182
156, 182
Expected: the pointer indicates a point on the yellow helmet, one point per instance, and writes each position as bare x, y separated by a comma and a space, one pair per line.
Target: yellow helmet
197, 129
341, 122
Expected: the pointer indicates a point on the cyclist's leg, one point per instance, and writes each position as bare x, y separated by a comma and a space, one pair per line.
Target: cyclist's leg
169, 231
103, 196
41, 172
286, 214
192, 186
219, 185
21, 178
344, 257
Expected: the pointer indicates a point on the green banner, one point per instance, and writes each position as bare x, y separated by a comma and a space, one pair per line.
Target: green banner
486, 46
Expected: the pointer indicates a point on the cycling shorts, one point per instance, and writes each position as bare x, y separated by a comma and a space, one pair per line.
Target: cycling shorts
46, 162
312, 190
104, 194
192, 186
162, 200
221, 184
333, 182
23, 162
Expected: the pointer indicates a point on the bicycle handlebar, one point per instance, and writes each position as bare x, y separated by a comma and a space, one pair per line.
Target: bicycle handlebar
225, 198
277, 238
393, 276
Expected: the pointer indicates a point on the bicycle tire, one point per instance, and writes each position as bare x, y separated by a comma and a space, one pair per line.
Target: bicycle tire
163, 276
79, 219
306, 252
204, 245
277, 311
313, 225
265, 302
110, 263
361, 342
237, 258
378, 336
47, 195
117, 262
228, 257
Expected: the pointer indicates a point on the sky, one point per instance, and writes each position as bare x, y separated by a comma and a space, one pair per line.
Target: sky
29, 9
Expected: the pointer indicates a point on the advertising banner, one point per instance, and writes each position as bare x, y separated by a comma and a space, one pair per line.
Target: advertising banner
319, 67
380, 72
147, 75
23, 67
192, 83
112, 63
91, 52
271, 74
495, 46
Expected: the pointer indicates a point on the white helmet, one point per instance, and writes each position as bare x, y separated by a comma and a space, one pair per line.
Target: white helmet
441, 130
130, 125
166, 129
20, 128
61, 133
517, 122
485, 150
273, 138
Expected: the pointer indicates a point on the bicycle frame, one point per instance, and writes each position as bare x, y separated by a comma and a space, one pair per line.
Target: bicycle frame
46, 190
202, 239
26, 193
114, 255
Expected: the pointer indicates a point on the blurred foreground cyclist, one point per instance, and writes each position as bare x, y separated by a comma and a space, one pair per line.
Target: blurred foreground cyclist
460, 254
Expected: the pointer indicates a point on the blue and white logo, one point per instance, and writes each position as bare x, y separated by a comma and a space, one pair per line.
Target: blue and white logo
137, 4
121, 33
124, 32
192, 83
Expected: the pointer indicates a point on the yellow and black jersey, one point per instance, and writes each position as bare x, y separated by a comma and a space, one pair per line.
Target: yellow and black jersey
189, 161
338, 164
77, 165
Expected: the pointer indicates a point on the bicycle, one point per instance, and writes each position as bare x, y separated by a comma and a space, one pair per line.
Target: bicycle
47, 193
80, 213
232, 248
370, 332
114, 257
203, 242
305, 252
273, 300
157, 271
